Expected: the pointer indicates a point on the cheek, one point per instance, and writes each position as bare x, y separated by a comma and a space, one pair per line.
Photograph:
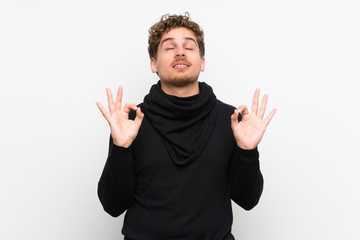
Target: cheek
200, 64
164, 62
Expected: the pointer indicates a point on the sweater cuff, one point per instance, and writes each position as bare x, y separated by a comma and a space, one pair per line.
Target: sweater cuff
120, 155
246, 155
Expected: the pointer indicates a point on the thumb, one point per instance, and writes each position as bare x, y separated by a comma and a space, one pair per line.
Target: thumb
139, 116
234, 118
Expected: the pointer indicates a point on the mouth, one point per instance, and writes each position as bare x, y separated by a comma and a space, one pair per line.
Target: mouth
181, 65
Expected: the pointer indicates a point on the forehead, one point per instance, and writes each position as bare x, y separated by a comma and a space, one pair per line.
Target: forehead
180, 33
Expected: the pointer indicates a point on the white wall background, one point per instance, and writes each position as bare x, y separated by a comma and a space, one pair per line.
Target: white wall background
57, 58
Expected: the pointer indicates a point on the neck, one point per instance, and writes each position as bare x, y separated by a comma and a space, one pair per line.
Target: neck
188, 90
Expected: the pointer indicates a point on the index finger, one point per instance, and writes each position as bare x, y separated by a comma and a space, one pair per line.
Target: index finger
255, 103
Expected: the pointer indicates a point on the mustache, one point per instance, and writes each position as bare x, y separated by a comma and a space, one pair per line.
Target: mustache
182, 60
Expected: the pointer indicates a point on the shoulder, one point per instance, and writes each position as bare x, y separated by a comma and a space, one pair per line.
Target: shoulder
225, 108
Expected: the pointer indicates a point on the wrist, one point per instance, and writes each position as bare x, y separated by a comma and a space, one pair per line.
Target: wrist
246, 147
124, 144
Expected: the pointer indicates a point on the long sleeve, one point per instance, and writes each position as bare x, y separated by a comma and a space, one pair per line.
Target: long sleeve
116, 185
246, 180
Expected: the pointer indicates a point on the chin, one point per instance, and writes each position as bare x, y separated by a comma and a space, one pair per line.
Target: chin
180, 81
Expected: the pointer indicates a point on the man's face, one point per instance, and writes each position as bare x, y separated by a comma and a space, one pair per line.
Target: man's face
178, 58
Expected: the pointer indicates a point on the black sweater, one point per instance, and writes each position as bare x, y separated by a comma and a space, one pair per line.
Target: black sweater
170, 201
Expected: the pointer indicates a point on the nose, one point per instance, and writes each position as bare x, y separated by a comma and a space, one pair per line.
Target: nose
180, 52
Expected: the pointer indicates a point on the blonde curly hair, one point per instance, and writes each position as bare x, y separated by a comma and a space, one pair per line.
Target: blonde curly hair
168, 22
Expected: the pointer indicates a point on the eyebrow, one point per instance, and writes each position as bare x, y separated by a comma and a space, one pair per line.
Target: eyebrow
172, 39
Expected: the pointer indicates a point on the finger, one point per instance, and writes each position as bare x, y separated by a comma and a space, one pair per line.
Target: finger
234, 118
110, 101
119, 99
129, 106
270, 116
255, 102
139, 113
243, 110
103, 111
139, 116
263, 106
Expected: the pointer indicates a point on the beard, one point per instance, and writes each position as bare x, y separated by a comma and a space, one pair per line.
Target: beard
181, 80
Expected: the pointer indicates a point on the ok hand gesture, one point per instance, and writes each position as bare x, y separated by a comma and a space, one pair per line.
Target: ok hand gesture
249, 131
123, 130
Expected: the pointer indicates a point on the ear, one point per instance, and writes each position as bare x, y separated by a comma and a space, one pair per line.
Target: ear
153, 65
202, 65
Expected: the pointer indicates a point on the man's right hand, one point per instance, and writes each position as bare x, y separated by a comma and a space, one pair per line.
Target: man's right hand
123, 130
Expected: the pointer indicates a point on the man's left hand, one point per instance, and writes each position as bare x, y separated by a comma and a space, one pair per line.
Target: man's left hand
250, 130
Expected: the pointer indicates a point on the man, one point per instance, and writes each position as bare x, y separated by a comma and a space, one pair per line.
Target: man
176, 160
